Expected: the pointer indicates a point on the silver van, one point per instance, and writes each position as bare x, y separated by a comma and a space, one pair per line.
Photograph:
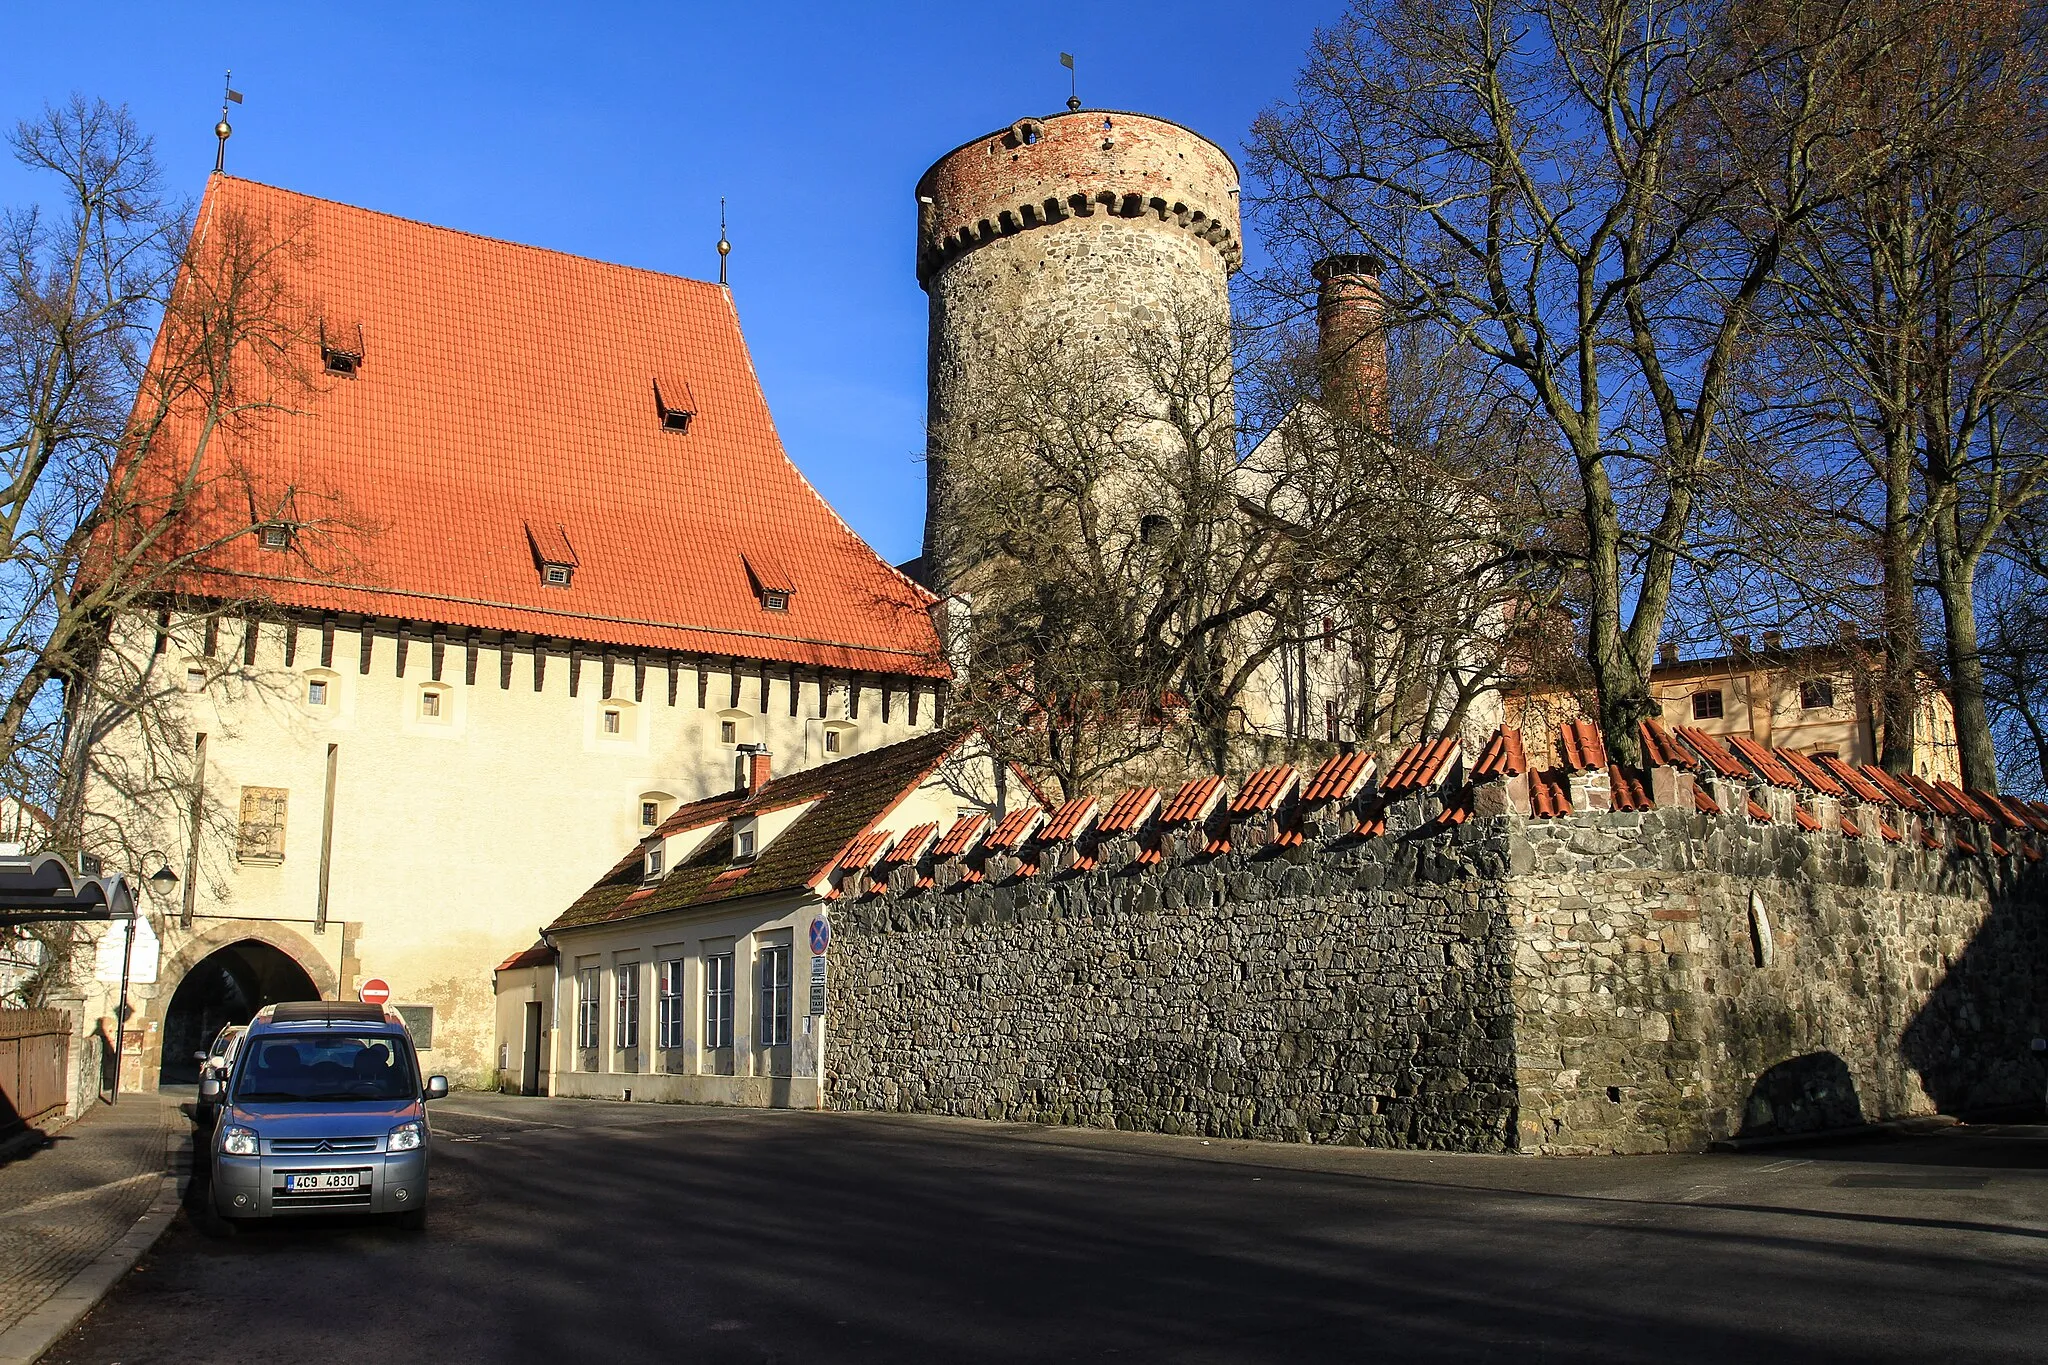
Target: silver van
323, 1111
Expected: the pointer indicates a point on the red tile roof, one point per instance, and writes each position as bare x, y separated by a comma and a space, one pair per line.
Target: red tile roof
503, 410
1265, 789
862, 851
1339, 778
1015, 829
1419, 765
1580, 745
912, 845
1859, 786
1550, 794
1503, 756
1705, 802
539, 955
1764, 761
1810, 773
1967, 802
1129, 810
1711, 751
1069, 820
1661, 750
1195, 799
1897, 792
961, 836
1933, 797
1629, 790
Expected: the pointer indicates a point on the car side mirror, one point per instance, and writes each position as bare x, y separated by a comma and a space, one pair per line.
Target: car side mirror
437, 1087
199, 1056
210, 1087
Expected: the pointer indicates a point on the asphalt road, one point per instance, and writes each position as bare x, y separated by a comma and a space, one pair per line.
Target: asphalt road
588, 1230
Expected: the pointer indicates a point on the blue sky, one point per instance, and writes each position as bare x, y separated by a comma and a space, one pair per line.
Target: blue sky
611, 131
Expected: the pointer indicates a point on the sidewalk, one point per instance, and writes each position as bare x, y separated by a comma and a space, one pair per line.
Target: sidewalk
65, 1204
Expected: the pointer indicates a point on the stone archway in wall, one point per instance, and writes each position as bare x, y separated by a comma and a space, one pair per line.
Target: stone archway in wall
223, 977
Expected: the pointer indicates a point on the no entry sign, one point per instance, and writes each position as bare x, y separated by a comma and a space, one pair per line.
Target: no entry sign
375, 991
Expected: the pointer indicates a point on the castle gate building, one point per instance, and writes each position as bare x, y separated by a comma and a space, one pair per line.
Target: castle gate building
523, 570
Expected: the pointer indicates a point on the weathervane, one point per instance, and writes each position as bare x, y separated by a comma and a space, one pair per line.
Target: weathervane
1073, 82
222, 130
724, 247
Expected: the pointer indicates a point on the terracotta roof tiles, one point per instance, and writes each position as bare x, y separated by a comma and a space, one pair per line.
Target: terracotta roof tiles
539, 955
1503, 755
1195, 799
962, 836
1859, 786
1764, 761
1580, 746
1662, 750
1550, 794
505, 387
1629, 791
1016, 829
1070, 820
1713, 754
1339, 778
1129, 811
1419, 765
1265, 789
1810, 773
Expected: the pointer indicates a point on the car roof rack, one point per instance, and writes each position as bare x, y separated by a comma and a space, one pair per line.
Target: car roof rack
326, 1012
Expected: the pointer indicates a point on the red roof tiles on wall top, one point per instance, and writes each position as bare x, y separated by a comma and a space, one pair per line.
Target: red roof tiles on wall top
1419, 765
1129, 810
1704, 802
1195, 799
1757, 811
1069, 820
1764, 761
1661, 750
539, 955
1897, 792
912, 845
862, 851
1550, 794
1503, 755
1628, 791
1967, 802
1016, 828
1859, 786
1931, 796
1712, 753
1810, 773
505, 385
1265, 789
1580, 745
1339, 778
961, 836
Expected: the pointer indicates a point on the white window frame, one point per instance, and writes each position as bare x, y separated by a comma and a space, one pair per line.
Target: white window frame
316, 691
718, 999
626, 999
668, 1006
777, 994
589, 987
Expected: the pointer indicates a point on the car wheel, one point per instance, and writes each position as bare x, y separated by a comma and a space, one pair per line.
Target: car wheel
413, 1220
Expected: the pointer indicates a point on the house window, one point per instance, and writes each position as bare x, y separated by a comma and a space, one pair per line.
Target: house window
775, 996
587, 988
260, 838
555, 575
277, 536
743, 845
728, 732
195, 678
718, 1000
1329, 634
1706, 705
626, 1030
653, 872
1329, 720
676, 421
775, 601
316, 693
611, 722
1816, 694
832, 741
650, 813
668, 1005
342, 363
430, 705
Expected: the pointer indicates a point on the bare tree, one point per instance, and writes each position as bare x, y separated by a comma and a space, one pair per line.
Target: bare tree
1578, 191
135, 345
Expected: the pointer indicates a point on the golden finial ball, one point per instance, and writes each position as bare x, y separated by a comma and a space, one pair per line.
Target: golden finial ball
724, 247
221, 130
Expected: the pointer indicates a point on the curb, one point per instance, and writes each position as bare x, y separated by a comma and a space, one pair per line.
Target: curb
1931, 1123
28, 1340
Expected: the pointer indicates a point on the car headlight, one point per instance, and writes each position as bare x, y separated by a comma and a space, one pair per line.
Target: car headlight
406, 1137
239, 1141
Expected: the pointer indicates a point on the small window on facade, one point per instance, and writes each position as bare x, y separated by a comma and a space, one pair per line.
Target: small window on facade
611, 722
831, 741
1706, 705
743, 845
626, 1023
277, 536
728, 732
260, 838
316, 693
1329, 720
555, 575
430, 705
587, 1005
1816, 694
650, 813
195, 678
775, 996
1329, 634
774, 601
718, 1000
675, 421
653, 864
668, 1005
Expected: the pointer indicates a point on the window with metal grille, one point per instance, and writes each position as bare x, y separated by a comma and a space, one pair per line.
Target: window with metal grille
1706, 705
718, 1000
626, 1023
1816, 694
668, 1005
587, 988
650, 813
775, 996
728, 732
775, 601
277, 536
653, 868
316, 693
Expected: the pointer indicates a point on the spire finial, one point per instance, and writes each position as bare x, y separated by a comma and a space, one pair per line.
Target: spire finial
223, 130
1073, 82
724, 247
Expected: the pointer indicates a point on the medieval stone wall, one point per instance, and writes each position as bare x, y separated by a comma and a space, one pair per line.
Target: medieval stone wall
1598, 983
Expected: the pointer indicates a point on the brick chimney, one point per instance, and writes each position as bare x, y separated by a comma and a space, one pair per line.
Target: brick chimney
1352, 336
750, 768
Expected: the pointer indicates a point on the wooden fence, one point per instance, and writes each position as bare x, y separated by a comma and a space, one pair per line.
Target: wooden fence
35, 1048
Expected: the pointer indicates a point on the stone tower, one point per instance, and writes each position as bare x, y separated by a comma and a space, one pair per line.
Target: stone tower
1056, 228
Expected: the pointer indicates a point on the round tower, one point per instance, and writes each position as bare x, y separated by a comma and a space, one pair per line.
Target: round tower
1071, 226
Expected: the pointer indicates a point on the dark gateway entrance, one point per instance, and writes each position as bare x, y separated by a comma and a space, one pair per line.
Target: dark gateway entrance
226, 987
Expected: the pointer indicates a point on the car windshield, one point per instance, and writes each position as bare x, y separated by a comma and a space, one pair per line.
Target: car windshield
281, 1068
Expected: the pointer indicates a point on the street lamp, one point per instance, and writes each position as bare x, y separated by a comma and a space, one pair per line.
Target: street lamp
163, 879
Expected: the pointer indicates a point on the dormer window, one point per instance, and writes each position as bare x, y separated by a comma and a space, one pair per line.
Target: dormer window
674, 402
341, 347
651, 866
553, 554
341, 363
771, 580
277, 535
775, 601
743, 840
556, 575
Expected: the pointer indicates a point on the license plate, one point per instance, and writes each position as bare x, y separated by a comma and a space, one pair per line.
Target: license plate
321, 1180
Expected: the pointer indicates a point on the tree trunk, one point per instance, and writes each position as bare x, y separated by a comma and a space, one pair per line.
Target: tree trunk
1956, 581
1898, 689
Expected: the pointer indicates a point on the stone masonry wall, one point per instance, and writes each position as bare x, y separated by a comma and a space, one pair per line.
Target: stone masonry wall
1351, 998
1598, 983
